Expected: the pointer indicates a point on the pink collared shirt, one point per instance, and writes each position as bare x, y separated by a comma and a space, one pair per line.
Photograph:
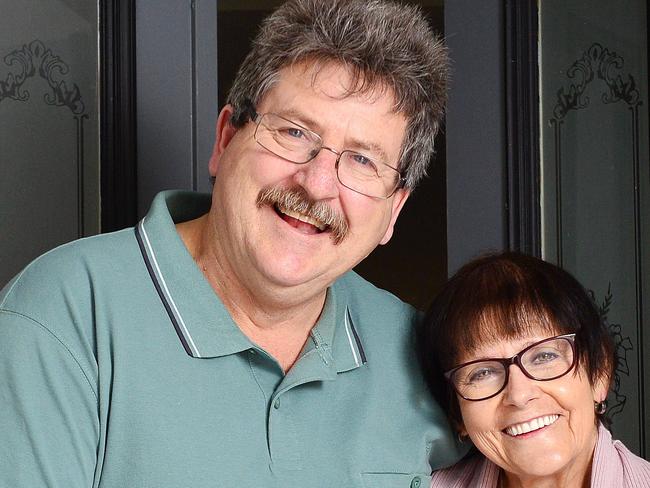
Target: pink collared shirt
613, 466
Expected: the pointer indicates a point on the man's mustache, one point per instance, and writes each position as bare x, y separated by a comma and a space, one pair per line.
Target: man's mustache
297, 199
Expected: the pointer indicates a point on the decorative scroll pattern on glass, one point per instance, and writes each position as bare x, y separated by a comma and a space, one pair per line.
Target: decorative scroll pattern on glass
37, 60
622, 345
601, 63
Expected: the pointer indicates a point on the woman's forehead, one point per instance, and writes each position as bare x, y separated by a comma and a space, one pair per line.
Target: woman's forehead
510, 321
505, 347
486, 337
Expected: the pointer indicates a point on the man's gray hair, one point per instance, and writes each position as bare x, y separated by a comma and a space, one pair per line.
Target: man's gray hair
383, 44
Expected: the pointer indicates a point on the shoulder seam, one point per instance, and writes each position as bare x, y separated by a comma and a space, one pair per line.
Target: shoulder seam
18, 277
63, 344
24, 270
16, 280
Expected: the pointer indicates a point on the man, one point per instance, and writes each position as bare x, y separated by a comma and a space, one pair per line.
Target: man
223, 341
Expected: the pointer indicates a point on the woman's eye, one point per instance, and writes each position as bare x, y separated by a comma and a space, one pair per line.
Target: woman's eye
544, 357
481, 375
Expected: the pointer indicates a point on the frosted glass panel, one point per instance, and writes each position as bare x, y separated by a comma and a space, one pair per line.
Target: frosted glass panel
596, 176
49, 127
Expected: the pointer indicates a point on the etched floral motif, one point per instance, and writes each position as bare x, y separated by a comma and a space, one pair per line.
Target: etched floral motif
601, 63
35, 59
622, 345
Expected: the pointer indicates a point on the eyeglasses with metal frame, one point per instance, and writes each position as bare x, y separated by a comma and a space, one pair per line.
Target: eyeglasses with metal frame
545, 360
363, 173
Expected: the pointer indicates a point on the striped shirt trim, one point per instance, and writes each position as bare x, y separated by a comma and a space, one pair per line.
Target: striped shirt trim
353, 340
163, 291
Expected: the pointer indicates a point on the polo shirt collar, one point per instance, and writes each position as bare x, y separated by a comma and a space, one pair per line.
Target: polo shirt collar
333, 347
202, 323
346, 342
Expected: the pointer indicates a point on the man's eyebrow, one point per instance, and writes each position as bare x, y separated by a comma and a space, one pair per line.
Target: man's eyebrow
359, 145
299, 118
371, 147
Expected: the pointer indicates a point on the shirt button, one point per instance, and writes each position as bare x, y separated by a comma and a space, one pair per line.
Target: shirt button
276, 404
416, 482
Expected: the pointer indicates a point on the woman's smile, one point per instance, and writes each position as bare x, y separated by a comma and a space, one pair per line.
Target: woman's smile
535, 424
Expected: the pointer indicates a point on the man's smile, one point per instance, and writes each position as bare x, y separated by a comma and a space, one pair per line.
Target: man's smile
296, 208
300, 221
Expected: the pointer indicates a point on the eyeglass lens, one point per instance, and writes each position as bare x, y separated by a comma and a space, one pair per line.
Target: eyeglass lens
546, 360
363, 173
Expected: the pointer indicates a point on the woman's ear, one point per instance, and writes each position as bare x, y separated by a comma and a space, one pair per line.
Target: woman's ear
601, 388
461, 430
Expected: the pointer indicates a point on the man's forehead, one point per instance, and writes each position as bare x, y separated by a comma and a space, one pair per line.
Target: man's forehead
334, 80
325, 98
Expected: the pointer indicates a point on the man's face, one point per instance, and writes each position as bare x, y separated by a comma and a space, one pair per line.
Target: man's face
265, 246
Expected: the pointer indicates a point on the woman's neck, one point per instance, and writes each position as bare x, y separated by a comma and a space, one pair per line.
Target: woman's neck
576, 472
560, 480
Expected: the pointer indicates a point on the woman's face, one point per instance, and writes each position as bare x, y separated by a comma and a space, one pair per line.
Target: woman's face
535, 429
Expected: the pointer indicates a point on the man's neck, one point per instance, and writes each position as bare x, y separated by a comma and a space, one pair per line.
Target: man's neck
278, 320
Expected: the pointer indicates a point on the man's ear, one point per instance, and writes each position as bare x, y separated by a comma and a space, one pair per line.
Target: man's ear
224, 134
399, 199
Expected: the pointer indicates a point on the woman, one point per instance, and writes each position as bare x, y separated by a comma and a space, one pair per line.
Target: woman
515, 349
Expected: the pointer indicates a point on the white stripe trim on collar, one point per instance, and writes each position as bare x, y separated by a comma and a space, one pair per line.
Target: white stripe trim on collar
350, 338
168, 296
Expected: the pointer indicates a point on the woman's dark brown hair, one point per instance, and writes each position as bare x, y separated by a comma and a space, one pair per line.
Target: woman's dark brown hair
507, 296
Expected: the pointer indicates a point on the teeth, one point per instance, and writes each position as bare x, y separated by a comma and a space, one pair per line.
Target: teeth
531, 425
304, 218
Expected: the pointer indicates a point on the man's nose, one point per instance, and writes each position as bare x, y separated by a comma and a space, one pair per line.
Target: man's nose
520, 388
318, 176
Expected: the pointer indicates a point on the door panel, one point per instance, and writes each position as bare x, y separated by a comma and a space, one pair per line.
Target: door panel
49, 127
596, 176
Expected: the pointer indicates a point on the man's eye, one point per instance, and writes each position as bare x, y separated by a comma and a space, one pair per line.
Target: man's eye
292, 132
362, 160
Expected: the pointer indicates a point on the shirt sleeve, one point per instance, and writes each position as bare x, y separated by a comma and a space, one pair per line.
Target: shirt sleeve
49, 427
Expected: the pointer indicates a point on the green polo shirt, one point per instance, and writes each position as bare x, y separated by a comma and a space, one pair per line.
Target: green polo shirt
120, 368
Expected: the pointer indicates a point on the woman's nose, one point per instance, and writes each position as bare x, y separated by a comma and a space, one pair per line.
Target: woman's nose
520, 388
